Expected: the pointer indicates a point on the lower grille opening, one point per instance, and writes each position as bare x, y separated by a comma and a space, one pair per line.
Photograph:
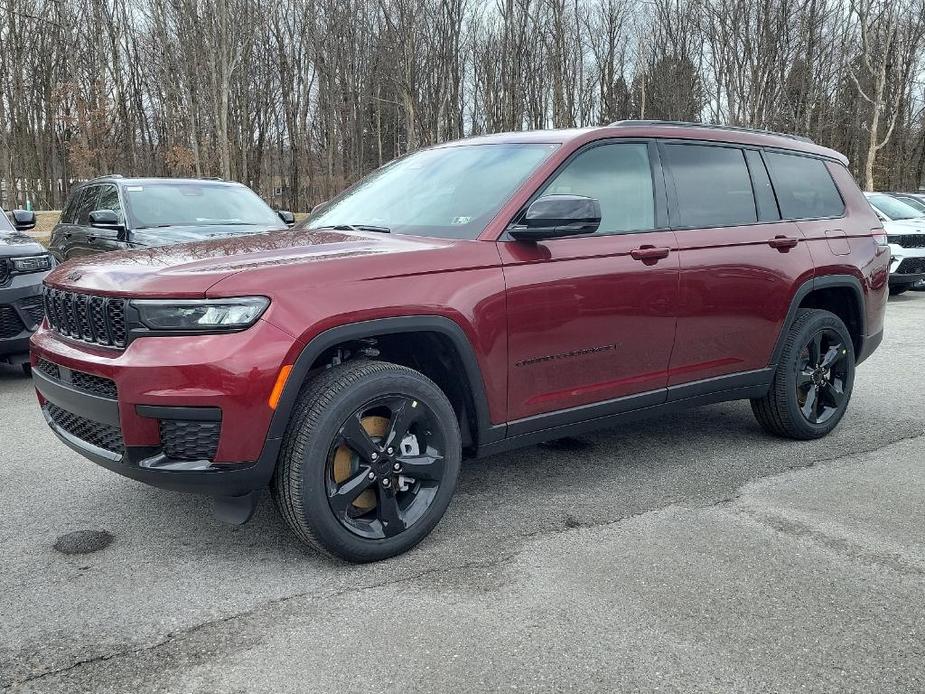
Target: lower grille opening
10, 324
189, 439
911, 266
95, 385
101, 435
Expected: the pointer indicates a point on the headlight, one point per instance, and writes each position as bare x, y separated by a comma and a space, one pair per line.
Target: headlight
200, 314
32, 263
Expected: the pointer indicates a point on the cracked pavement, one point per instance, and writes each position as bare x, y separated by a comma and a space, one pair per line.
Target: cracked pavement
690, 554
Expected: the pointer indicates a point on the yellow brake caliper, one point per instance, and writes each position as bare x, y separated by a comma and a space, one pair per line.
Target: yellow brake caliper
347, 464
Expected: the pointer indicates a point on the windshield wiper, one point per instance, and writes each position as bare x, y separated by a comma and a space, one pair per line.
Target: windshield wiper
356, 227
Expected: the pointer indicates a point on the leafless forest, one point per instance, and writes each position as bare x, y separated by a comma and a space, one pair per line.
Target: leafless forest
299, 98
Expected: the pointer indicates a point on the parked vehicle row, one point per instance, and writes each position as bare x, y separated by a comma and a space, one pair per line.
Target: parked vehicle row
904, 223
24, 263
469, 298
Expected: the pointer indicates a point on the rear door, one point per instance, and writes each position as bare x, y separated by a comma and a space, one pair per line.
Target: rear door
588, 322
740, 263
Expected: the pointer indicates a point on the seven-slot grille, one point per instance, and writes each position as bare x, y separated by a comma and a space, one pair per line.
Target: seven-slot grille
96, 319
907, 240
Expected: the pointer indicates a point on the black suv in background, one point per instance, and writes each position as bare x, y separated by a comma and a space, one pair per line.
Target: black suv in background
115, 213
23, 265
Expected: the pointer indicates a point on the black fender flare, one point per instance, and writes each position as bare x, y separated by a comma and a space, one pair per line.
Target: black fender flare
486, 432
823, 282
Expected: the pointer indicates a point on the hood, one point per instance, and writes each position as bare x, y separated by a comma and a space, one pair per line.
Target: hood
189, 270
905, 226
15, 243
165, 236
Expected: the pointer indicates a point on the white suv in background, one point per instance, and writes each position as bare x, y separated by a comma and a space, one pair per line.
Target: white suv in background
905, 230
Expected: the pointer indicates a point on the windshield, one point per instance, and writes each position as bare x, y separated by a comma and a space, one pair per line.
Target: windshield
893, 208
451, 192
912, 202
196, 204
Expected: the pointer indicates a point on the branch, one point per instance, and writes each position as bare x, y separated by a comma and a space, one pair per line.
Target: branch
858, 85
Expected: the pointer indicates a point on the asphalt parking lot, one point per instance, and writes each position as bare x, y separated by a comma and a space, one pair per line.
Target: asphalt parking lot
695, 554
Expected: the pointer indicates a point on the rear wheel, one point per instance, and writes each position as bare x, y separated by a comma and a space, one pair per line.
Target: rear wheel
812, 385
369, 462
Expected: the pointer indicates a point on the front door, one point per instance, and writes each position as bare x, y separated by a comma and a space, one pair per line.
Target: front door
591, 319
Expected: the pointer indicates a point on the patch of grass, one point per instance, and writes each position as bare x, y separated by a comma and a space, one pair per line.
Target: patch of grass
45, 222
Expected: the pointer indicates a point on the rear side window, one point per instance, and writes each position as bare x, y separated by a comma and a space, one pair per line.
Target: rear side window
69, 214
619, 176
712, 184
804, 187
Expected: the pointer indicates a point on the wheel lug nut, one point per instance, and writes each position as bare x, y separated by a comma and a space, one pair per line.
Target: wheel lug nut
385, 482
372, 475
375, 456
390, 450
396, 467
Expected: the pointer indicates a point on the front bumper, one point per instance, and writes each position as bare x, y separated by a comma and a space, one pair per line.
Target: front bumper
184, 413
907, 266
20, 312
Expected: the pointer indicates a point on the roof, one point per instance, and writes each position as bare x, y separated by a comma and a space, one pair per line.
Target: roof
122, 180
667, 129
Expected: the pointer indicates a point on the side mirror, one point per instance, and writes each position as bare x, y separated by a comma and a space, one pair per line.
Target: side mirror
106, 219
287, 217
23, 220
552, 216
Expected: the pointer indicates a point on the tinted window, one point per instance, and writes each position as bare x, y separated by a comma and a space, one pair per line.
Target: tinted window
109, 200
86, 204
805, 189
619, 177
712, 184
69, 214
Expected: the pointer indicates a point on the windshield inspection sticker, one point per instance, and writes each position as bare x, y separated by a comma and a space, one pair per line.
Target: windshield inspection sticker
461, 220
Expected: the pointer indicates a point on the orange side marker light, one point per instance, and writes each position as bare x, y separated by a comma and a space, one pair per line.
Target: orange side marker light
277, 391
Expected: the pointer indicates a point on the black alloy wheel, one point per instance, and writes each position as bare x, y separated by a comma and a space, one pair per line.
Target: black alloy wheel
822, 376
385, 466
369, 462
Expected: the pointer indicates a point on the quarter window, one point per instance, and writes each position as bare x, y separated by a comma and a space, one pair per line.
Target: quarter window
618, 176
804, 187
713, 186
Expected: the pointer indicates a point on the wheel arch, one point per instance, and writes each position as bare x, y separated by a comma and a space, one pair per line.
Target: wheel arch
843, 295
450, 332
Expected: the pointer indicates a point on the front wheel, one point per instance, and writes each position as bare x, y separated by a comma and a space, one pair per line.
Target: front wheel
369, 462
812, 384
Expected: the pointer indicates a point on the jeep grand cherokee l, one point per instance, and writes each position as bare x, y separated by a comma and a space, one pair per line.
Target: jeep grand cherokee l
23, 265
472, 297
114, 213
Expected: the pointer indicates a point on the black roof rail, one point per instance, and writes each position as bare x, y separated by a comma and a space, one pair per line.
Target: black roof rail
708, 126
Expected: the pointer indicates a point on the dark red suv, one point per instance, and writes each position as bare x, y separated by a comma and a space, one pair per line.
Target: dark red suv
472, 297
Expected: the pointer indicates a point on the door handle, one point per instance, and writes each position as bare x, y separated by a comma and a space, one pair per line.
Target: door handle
783, 243
91, 238
66, 235
649, 254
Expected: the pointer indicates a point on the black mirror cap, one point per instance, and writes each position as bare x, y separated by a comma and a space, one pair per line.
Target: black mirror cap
286, 216
552, 216
23, 220
105, 219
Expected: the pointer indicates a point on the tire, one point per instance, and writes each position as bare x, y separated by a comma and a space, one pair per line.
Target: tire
341, 426
896, 291
789, 410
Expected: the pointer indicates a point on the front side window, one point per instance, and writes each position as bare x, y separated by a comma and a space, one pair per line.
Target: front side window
167, 204
86, 204
5, 224
713, 186
449, 192
109, 200
804, 187
618, 176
